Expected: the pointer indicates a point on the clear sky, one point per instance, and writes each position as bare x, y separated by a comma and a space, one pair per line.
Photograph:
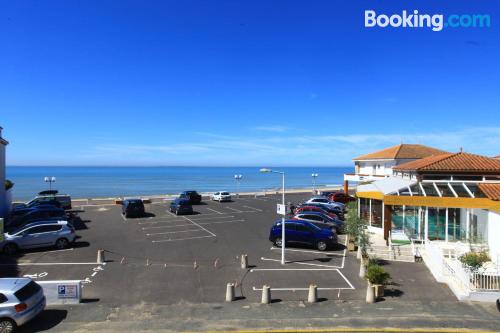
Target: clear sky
260, 82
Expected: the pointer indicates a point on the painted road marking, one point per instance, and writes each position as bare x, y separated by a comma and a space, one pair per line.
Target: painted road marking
308, 251
215, 211
167, 226
292, 269
34, 253
300, 263
233, 209
230, 221
257, 209
212, 218
211, 233
174, 232
300, 289
49, 263
180, 239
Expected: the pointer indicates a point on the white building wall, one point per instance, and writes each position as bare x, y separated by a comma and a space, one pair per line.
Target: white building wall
494, 236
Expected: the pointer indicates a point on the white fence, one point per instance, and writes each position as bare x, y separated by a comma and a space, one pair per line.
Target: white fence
450, 267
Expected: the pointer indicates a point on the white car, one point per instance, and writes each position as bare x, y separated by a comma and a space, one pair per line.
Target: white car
325, 201
221, 196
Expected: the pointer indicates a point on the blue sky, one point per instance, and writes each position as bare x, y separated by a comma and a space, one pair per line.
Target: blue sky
261, 82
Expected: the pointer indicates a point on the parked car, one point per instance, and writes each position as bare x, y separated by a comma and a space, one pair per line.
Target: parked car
40, 234
193, 197
326, 202
21, 300
133, 207
341, 197
39, 213
318, 209
321, 220
17, 211
221, 196
36, 203
45, 197
303, 232
335, 210
326, 194
181, 206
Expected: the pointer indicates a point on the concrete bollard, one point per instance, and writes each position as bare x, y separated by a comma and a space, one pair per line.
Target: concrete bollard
230, 292
370, 294
100, 257
359, 254
266, 294
244, 261
313, 294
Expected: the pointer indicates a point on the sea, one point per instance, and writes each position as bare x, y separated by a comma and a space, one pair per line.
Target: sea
108, 182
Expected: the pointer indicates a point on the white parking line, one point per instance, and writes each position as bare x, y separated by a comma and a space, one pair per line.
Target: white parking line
123, 217
292, 269
161, 221
230, 221
174, 232
211, 233
167, 226
348, 282
50, 263
180, 239
308, 251
257, 209
213, 217
300, 263
233, 209
215, 211
51, 251
300, 289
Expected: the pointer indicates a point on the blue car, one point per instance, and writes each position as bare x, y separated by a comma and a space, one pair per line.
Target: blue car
303, 233
181, 206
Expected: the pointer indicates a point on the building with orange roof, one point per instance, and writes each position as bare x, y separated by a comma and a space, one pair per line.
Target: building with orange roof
379, 164
449, 203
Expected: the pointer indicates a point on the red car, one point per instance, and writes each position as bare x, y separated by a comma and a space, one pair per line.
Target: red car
314, 209
341, 197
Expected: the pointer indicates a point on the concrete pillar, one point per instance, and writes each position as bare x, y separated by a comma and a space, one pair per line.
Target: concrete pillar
266, 294
370, 294
362, 269
230, 292
313, 294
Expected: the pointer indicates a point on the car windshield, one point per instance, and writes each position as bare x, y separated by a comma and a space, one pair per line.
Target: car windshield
225, 193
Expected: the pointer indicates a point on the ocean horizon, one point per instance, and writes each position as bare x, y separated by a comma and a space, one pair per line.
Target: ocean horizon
120, 181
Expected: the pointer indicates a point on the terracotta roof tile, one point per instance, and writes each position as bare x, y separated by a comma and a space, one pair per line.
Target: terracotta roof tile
458, 162
402, 151
492, 191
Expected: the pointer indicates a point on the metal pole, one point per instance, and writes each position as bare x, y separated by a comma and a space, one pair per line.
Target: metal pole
283, 224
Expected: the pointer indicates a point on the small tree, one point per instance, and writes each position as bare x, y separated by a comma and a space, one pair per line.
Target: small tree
8, 184
474, 260
364, 242
376, 274
354, 224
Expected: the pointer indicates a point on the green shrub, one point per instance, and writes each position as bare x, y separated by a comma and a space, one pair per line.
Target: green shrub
474, 260
8, 184
376, 274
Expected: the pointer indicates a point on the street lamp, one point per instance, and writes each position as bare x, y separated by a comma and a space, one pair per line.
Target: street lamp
50, 180
281, 210
314, 175
238, 179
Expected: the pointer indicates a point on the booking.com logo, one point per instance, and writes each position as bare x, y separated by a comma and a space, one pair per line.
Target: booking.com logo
436, 22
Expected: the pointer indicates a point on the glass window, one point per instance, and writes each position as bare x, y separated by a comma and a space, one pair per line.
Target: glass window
436, 223
376, 213
455, 231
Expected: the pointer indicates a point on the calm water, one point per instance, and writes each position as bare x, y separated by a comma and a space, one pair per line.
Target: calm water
91, 182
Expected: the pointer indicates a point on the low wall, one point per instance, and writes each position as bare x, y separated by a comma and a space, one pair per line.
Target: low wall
62, 292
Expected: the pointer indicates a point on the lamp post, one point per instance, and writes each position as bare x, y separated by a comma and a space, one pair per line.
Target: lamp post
281, 211
238, 179
314, 175
50, 180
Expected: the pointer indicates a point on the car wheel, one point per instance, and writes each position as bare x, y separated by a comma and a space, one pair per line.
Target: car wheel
10, 248
278, 242
321, 246
62, 243
7, 326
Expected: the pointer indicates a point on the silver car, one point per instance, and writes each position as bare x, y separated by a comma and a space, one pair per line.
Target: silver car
21, 299
39, 234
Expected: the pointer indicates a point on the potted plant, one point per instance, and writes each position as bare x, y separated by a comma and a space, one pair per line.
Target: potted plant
378, 278
473, 261
8, 194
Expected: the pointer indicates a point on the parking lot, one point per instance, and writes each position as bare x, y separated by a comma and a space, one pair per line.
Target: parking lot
164, 258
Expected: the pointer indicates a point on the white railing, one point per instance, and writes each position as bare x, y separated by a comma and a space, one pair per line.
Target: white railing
447, 263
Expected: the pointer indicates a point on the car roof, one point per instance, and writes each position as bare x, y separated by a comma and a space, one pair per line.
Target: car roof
37, 223
11, 284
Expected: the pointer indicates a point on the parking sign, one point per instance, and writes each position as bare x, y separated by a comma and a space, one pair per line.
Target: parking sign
67, 291
281, 209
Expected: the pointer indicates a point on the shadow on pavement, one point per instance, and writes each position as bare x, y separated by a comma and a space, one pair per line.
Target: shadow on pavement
45, 321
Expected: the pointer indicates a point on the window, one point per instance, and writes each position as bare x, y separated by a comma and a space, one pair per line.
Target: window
3, 298
303, 228
27, 291
43, 228
290, 226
